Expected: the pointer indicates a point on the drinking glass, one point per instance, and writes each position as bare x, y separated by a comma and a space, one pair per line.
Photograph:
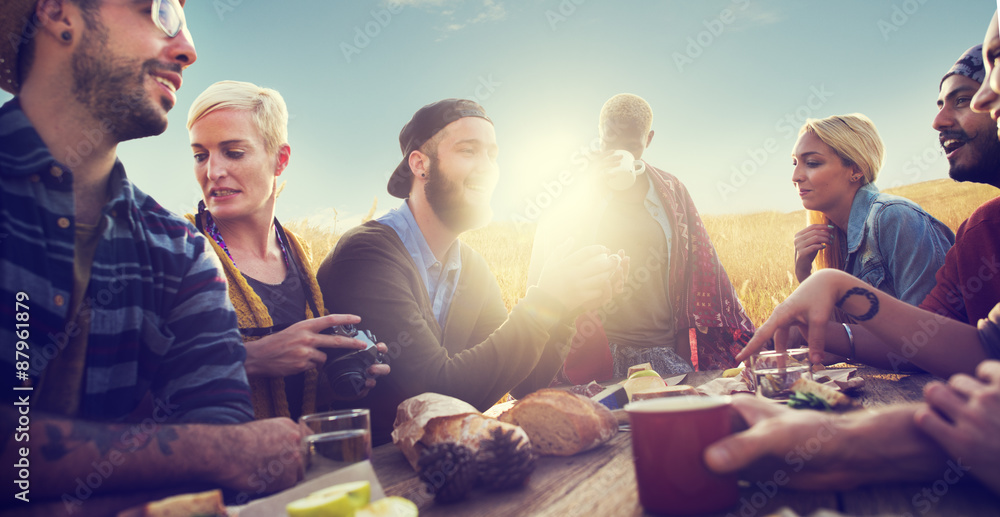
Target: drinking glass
335, 440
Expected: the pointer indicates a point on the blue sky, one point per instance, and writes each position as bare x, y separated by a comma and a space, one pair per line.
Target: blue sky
729, 81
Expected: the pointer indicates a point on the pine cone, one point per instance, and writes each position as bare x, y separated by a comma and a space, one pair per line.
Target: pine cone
449, 471
502, 465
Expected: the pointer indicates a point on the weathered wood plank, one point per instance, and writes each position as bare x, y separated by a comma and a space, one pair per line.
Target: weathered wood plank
602, 481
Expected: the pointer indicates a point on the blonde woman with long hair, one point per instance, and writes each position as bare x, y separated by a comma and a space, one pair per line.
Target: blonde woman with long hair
887, 241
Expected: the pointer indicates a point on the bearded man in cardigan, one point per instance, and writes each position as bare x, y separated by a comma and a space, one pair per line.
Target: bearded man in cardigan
432, 299
679, 310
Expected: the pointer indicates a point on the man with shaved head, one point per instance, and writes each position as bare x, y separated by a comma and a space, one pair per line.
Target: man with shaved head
678, 310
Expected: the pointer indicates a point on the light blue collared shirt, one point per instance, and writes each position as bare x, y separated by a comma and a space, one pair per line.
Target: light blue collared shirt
441, 280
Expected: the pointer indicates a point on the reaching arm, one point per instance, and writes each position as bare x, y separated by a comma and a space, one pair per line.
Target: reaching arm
937, 344
150, 454
365, 276
820, 451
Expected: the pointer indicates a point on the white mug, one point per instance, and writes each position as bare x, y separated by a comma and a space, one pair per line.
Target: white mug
622, 175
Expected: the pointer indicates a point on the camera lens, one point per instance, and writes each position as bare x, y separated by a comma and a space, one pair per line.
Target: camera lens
348, 384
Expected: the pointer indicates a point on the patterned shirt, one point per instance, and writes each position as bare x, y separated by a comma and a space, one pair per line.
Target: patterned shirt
160, 316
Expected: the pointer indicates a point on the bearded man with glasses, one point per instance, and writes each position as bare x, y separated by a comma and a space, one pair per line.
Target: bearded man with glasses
121, 350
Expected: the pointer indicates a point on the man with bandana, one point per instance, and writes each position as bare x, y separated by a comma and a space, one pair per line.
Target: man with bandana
432, 299
968, 285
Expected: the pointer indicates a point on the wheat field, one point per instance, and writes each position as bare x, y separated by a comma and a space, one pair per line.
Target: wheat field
756, 249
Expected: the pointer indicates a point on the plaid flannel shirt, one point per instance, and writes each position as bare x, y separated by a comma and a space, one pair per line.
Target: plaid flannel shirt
161, 320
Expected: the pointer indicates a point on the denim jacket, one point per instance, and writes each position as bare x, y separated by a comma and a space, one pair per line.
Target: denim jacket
895, 245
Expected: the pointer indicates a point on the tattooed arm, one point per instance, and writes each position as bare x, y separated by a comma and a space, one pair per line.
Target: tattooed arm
258, 457
893, 333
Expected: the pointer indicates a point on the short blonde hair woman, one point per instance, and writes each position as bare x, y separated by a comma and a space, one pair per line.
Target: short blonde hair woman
854, 227
239, 138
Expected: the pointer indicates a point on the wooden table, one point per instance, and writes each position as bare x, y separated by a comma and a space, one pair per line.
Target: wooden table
602, 481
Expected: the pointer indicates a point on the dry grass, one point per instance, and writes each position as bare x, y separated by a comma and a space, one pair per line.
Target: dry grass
756, 249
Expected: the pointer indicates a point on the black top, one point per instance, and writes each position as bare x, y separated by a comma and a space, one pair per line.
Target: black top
286, 304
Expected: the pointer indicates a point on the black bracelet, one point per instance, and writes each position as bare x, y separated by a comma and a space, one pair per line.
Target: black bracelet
872, 300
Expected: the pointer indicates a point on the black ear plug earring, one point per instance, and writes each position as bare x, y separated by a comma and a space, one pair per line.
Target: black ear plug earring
66, 36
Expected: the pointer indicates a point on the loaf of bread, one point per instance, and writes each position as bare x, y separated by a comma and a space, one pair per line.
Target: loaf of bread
561, 423
431, 418
202, 504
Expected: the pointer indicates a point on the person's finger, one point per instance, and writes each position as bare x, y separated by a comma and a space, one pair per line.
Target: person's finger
330, 320
944, 400
380, 346
760, 338
588, 261
989, 371
596, 280
328, 341
937, 427
816, 335
964, 384
378, 370
781, 340
317, 358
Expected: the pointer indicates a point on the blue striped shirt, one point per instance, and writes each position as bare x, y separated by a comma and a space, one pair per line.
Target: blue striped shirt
160, 316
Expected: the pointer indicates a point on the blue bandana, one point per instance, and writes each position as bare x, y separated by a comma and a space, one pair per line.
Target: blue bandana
969, 65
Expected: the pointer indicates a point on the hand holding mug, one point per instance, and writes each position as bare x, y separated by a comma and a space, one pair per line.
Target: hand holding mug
622, 175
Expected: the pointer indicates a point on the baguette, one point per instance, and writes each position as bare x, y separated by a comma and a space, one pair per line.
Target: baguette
561, 423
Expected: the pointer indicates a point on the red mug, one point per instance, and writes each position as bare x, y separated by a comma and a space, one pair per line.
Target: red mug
669, 437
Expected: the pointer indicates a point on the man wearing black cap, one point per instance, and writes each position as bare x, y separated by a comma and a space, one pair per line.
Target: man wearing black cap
432, 299
120, 342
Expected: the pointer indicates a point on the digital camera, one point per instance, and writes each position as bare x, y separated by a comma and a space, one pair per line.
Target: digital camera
347, 369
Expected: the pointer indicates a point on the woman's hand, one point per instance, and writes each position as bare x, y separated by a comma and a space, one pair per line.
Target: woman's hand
296, 349
808, 242
809, 308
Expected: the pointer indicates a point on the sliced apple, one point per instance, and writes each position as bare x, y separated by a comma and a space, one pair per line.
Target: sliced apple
358, 491
393, 506
644, 373
334, 505
341, 500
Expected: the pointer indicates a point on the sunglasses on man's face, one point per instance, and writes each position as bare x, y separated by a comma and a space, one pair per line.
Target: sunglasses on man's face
168, 15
